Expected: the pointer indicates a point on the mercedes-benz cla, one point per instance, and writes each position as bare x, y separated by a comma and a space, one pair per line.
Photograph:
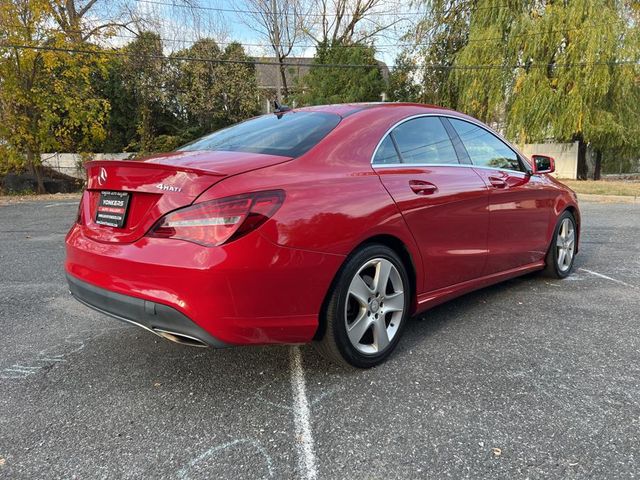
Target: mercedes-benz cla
329, 224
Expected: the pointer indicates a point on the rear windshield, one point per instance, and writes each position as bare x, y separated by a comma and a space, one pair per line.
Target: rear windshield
288, 135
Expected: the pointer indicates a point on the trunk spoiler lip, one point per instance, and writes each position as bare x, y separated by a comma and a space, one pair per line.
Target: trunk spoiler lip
152, 162
144, 164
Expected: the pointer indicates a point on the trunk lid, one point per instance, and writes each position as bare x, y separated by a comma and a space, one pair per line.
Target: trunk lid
157, 185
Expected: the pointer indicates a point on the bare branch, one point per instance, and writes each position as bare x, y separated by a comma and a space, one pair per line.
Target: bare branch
345, 21
282, 23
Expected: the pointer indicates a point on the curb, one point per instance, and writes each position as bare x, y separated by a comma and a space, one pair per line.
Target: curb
46, 197
590, 197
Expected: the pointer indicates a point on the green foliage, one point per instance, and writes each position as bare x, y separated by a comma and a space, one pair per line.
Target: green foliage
586, 100
240, 94
440, 35
159, 103
214, 94
143, 70
140, 100
46, 100
621, 160
121, 125
551, 73
10, 160
402, 85
481, 91
325, 85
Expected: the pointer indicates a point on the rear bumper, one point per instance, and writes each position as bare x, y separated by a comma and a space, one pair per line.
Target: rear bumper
250, 291
160, 319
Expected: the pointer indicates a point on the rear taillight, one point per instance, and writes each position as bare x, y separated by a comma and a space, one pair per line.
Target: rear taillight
218, 221
80, 214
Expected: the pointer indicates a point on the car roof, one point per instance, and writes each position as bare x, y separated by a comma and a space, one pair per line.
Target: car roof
346, 109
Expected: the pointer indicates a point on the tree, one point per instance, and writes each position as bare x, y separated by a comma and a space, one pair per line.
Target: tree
325, 84
281, 23
438, 37
121, 125
197, 85
240, 94
583, 94
212, 92
144, 74
46, 99
482, 91
566, 71
402, 82
71, 17
343, 22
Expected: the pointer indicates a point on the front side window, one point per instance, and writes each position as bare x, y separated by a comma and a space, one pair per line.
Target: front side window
424, 140
289, 135
484, 148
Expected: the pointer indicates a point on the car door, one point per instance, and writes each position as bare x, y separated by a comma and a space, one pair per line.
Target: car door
519, 204
443, 202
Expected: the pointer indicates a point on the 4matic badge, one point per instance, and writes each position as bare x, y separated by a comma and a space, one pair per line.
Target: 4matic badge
168, 188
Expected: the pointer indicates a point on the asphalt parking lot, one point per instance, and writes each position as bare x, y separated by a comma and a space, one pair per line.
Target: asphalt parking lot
528, 379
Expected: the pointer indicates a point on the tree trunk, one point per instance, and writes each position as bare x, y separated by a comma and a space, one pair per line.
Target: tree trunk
145, 129
36, 170
598, 166
283, 79
582, 159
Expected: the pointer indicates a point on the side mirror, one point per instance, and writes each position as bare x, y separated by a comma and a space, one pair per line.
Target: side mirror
543, 164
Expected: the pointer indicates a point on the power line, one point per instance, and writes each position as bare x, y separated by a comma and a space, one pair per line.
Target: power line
259, 12
311, 64
421, 44
409, 44
388, 45
320, 15
265, 45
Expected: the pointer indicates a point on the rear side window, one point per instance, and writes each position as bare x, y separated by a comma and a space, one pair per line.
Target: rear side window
289, 135
484, 148
424, 140
386, 153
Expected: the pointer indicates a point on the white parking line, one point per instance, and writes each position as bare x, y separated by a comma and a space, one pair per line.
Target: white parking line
607, 278
302, 418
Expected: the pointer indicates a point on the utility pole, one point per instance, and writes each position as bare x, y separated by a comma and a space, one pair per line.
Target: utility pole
278, 46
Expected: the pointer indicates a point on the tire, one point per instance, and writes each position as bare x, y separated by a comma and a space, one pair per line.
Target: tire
361, 330
559, 264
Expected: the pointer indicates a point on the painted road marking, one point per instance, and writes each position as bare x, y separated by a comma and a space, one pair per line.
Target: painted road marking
302, 418
608, 278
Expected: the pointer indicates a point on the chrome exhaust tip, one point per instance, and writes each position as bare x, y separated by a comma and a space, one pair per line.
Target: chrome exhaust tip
180, 338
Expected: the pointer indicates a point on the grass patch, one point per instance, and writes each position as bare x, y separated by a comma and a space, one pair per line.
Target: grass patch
603, 187
14, 193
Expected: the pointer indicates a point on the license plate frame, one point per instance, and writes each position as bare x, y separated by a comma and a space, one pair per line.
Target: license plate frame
112, 208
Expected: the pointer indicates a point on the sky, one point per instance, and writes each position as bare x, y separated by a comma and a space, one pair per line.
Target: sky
218, 19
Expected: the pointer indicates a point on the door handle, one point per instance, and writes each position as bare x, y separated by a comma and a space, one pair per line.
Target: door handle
421, 187
497, 182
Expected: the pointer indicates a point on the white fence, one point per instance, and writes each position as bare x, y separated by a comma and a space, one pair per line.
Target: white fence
71, 163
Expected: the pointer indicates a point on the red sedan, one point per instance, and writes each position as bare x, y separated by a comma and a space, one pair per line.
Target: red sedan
329, 224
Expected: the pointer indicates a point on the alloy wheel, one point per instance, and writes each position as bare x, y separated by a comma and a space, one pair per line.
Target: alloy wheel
565, 245
375, 306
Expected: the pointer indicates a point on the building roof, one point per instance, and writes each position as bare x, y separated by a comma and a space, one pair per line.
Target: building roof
266, 74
